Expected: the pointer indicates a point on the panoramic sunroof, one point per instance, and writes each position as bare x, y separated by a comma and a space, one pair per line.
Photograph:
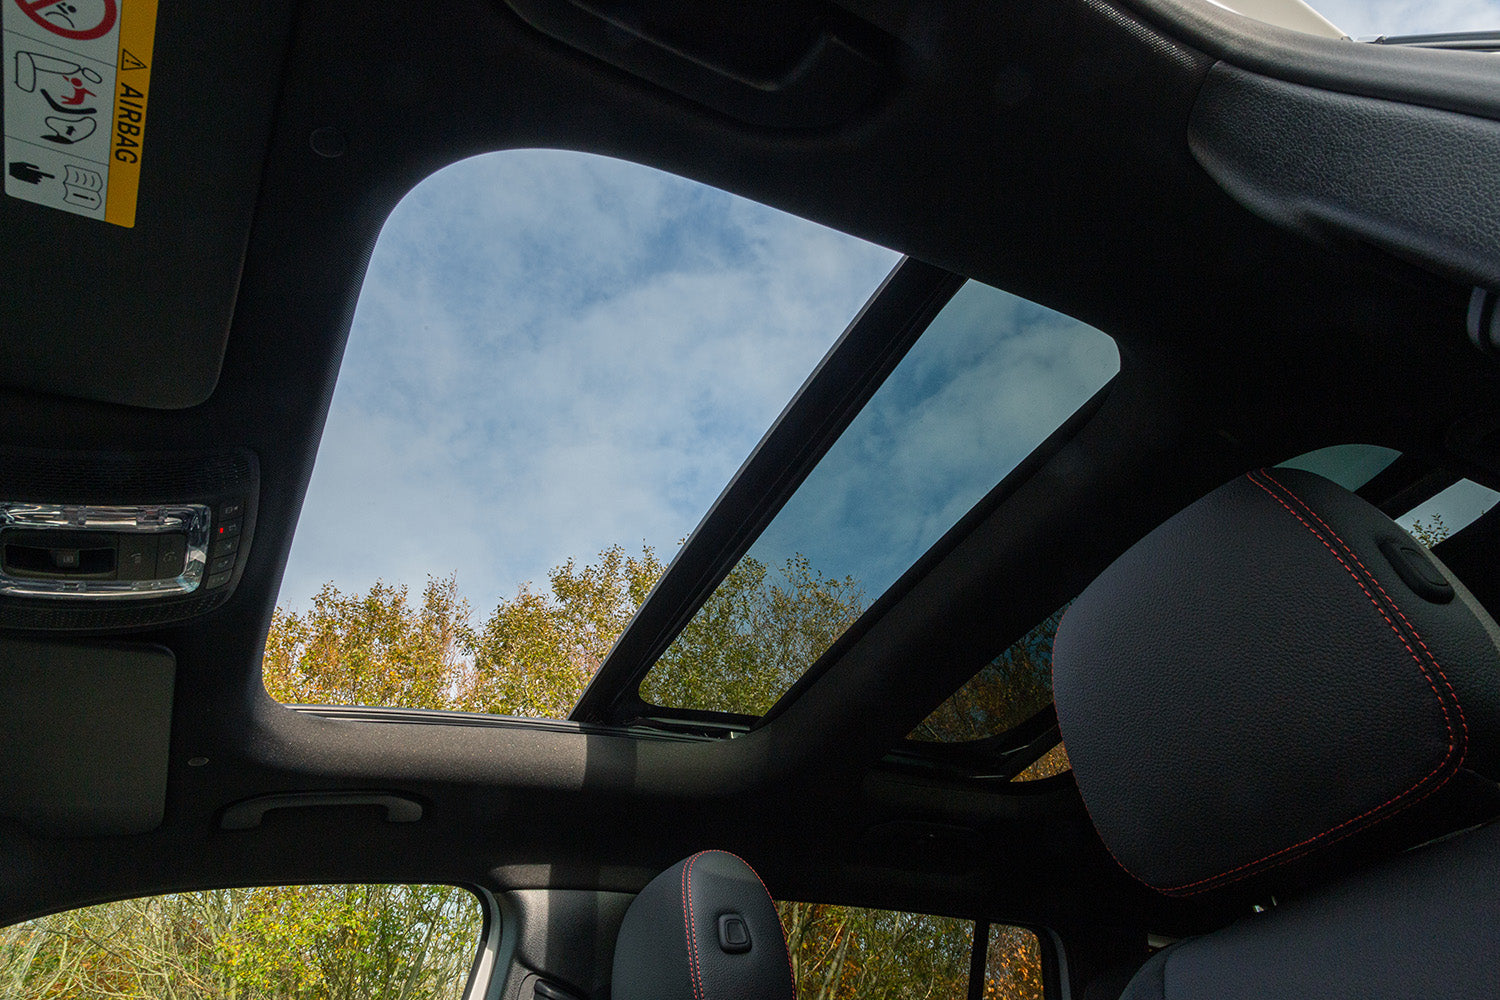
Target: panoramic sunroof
556, 357
989, 380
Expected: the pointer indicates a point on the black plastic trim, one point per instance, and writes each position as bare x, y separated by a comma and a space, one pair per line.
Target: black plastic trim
818, 84
996, 758
1330, 164
1465, 82
1473, 41
670, 730
248, 814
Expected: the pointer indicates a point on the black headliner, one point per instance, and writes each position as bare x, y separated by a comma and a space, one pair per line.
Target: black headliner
1072, 184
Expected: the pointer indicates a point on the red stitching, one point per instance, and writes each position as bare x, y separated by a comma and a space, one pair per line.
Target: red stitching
1448, 720
1457, 705
687, 921
785, 946
1303, 847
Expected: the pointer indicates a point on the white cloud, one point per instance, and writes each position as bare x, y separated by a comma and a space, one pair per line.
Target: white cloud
1365, 18
556, 352
988, 382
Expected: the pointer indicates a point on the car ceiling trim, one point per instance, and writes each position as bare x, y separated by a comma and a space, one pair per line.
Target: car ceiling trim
1337, 164
1464, 82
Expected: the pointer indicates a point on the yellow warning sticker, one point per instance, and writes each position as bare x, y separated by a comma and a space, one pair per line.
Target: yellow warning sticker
77, 79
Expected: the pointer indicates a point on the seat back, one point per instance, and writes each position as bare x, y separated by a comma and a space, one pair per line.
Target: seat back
1276, 695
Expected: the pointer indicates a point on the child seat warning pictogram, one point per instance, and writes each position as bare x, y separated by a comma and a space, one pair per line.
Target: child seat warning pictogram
77, 77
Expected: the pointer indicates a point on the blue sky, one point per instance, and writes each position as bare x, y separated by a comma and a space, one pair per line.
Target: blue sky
988, 381
1364, 18
555, 352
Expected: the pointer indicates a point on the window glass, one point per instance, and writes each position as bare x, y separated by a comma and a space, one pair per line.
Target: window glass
1049, 764
1013, 964
988, 381
1449, 512
1349, 465
1363, 19
555, 355
375, 942
1010, 689
853, 953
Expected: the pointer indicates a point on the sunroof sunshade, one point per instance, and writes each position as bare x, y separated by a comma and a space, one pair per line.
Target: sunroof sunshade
991, 377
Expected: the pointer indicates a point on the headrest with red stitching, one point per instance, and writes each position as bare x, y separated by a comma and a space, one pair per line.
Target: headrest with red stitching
704, 929
1274, 670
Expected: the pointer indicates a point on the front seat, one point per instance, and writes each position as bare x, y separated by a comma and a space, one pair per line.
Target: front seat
1280, 698
704, 929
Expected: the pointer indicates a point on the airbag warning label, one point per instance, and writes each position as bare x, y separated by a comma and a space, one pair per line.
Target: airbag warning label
77, 76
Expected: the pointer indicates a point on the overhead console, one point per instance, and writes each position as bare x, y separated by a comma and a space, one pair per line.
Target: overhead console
105, 541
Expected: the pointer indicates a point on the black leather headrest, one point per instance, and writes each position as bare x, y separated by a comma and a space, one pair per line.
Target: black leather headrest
1275, 669
704, 929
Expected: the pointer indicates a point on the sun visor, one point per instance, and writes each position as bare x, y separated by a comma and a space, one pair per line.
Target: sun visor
97, 721
134, 139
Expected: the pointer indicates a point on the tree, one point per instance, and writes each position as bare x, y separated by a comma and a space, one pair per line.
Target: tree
537, 651
1010, 689
383, 942
754, 636
371, 649
532, 656
851, 953
1431, 531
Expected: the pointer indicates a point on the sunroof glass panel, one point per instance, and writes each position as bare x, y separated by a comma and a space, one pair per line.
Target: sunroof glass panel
988, 381
556, 357
1006, 692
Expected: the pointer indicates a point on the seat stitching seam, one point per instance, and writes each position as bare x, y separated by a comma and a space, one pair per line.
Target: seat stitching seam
786, 946
1457, 705
1303, 846
694, 974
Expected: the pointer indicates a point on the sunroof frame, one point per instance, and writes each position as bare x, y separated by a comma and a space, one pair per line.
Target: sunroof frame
867, 352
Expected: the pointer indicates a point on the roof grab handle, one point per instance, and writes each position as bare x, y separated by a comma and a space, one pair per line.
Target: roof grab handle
247, 815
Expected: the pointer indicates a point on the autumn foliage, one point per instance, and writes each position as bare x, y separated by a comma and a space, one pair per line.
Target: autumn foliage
531, 656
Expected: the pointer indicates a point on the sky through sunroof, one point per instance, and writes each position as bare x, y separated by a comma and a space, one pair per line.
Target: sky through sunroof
987, 382
556, 352
1366, 18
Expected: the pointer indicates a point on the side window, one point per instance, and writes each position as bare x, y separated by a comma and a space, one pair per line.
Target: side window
852, 953
375, 942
